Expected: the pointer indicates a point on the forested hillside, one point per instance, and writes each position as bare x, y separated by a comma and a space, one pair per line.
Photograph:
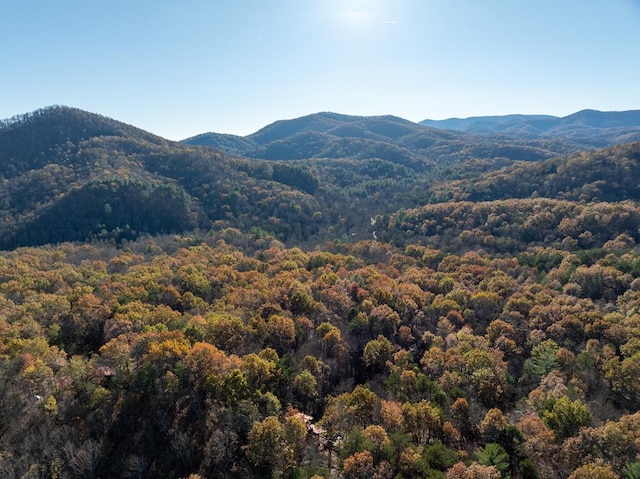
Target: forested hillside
612, 174
72, 175
69, 175
456, 310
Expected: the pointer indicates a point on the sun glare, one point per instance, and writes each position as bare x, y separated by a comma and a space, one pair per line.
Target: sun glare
360, 13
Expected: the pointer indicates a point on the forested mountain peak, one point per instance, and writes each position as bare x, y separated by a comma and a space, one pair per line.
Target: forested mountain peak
319, 122
385, 127
29, 141
56, 121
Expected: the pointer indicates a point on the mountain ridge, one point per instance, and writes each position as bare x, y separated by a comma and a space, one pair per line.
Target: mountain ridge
385, 137
589, 127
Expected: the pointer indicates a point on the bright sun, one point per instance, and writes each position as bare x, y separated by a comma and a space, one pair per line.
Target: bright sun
360, 13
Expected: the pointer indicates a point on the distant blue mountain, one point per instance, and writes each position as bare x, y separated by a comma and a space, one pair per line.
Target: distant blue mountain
485, 124
587, 127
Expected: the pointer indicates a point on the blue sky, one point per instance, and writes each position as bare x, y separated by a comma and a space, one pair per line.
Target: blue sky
178, 68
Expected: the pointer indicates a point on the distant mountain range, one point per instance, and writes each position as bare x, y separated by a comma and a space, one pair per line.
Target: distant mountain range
515, 137
387, 138
587, 127
71, 175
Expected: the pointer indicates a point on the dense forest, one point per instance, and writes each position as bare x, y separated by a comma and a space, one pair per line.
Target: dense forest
181, 311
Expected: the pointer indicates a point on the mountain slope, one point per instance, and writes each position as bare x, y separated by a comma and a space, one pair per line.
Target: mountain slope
589, 200
28, 140
513, 226
612, 174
